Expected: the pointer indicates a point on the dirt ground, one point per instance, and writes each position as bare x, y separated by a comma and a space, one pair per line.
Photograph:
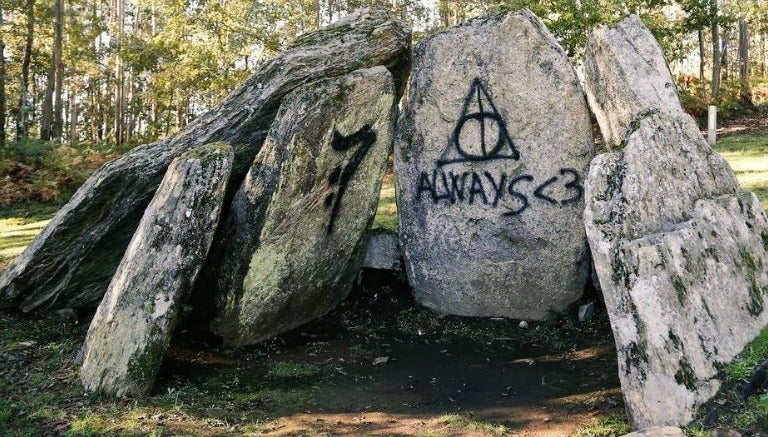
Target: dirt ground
748, 123
381, 365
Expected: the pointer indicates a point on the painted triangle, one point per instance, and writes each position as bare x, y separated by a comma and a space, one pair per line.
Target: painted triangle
479, 109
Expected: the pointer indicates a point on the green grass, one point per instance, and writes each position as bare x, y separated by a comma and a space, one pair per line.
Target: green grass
749, 359
18, 228
611, 426
458, 422
386, 213
748, 156
727, 407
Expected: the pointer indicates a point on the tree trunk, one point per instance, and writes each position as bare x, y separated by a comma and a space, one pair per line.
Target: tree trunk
702, 64
46, 120
73, 114
2, 79
50, 124
58, 120
21, 120
744, 90
93, 106
763, 60
725, 61
119, 77
71, 262
716, 61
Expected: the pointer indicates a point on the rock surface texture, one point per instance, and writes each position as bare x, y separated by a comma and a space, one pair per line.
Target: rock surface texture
71, 262
680, 252
136, 319
660, 431
291, 247
381, 251
614, 104
490, 157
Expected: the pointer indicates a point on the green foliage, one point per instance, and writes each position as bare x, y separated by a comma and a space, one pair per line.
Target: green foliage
611, 426
288, 370
746, 363
46, 172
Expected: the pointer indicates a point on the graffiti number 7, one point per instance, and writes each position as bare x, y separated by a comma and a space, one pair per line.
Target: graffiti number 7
342, 173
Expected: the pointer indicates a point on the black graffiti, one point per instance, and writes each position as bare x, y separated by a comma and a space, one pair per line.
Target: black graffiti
574, 185
475, 110
342, 173
492, 190
524, 204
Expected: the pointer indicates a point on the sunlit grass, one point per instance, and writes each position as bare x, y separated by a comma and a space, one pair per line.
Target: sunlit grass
611, 426
748, 156
386, 213
16, 233
460, 424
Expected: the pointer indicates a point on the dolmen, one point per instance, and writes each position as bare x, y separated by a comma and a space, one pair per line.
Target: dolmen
257, 214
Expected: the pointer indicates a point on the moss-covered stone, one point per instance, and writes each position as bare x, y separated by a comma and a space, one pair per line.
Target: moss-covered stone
685, 375
133, 325
291, 249
678, 247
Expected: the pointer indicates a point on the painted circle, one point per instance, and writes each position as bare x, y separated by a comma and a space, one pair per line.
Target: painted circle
465, 132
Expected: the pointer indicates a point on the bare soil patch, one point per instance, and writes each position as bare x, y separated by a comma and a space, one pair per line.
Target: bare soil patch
381, 365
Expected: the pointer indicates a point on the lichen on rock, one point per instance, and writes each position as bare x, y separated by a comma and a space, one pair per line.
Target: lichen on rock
291, 246
132, 327
677, 245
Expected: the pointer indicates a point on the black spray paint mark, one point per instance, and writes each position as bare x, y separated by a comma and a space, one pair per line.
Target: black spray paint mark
470, 187
479, 108
342, 173
573, 185
524, 204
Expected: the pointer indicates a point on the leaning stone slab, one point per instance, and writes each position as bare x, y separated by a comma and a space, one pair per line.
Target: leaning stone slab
134, 323
681, 253
71, 262
489, 161
615, 104
291, 247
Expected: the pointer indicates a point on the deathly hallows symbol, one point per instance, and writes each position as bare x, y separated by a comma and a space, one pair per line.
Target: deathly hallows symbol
479, 115
342, 173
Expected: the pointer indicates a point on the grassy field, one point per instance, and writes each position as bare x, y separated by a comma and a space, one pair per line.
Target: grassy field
19, 226
748, 156
321, 381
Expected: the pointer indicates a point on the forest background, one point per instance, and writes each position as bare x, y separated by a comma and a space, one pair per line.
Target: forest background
84, 80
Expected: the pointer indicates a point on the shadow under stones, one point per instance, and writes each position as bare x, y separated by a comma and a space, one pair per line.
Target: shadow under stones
381, 352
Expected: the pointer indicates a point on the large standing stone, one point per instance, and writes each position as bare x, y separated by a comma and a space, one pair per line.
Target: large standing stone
490, 157
71, 262
679, 251
134, 323
291, 247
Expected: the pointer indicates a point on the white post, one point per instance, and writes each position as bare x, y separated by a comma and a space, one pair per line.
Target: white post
712, 126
